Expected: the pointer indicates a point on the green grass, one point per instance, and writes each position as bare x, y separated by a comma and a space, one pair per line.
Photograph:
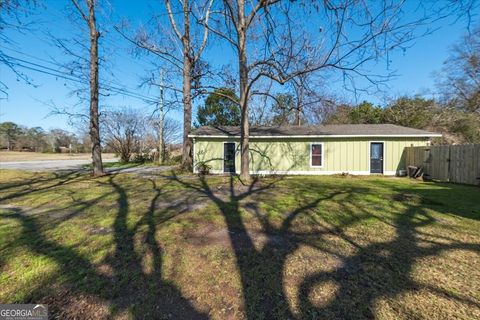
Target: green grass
123, 246
122, 165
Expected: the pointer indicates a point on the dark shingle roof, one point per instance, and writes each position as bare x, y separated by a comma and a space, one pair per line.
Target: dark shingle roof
320, 130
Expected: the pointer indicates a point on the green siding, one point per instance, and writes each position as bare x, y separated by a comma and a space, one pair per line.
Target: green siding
293, 154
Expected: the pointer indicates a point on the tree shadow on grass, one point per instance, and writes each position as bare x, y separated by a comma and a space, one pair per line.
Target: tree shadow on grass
41, 183
40, 179
378, 270
438, 195
374, 271
131, 286
381, 270
261, 271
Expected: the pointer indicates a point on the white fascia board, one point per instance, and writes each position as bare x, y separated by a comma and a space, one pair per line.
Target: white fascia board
431, 135
306, 173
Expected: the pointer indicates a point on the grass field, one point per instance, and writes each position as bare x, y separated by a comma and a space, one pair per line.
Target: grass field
183, 247
10, 156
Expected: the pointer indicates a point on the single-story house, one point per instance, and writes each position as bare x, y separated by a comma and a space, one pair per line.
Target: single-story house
360, 149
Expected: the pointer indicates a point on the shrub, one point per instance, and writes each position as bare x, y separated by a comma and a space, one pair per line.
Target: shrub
203, 168
142, 158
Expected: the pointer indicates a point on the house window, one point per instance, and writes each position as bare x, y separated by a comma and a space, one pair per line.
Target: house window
316, 155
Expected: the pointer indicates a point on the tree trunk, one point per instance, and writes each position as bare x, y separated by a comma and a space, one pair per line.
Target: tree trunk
299, 101
298, 114
94, 121
187, 89
187, 113
243, 70
161, 151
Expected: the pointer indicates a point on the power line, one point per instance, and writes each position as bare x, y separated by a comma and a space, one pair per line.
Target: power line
110, 83
28, 55
43, 67
109, 88
60, 66
73, 77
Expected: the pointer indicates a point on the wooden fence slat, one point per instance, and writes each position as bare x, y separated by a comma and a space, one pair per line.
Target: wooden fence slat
455, 163
477, 165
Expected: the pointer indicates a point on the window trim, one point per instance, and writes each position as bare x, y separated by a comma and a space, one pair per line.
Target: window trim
321, 154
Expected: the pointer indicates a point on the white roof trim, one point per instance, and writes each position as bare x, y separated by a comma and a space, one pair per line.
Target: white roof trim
426, 135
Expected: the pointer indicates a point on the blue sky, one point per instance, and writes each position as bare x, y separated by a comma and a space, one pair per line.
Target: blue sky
31, 105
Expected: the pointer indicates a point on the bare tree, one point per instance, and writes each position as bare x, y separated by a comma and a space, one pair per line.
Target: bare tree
89, 18
311, 98
190, 59
306, 100
123, 132
460, 77
171, 133
273, 41
182, 47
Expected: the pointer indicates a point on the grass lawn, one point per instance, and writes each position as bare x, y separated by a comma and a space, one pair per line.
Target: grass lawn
119, 165
181, 247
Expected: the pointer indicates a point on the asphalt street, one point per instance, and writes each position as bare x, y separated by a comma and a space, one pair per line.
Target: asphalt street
48, 165
75, 165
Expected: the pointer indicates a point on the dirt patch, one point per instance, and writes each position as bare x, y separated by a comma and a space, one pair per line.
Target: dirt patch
182, 202
210, 234
100, 230
411, 198
67, 305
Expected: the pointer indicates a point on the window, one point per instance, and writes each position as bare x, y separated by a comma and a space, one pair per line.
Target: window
316, 153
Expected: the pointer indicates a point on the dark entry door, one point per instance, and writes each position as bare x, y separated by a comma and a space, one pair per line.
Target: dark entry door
376, 157
229, 157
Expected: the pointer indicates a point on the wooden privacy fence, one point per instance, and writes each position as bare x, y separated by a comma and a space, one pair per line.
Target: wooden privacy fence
455, 163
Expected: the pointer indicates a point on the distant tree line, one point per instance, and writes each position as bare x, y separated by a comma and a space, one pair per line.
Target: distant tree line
127, 133
16, 137
457, 125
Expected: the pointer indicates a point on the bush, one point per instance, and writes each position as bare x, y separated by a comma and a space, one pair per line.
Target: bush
142, 158
203, 168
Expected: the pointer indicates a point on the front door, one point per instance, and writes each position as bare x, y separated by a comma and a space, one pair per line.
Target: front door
376, 157
229, 157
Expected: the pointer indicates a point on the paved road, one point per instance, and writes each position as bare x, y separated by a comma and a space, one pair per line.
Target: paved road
74, 165
48, 165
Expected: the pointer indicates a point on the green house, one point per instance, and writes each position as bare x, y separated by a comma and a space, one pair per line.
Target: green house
360, 149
